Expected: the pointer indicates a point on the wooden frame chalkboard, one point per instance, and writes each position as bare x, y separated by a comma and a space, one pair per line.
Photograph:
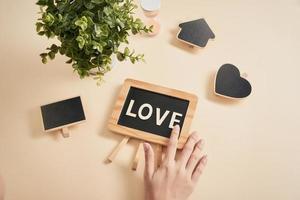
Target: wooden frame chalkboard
62, 114
188, 101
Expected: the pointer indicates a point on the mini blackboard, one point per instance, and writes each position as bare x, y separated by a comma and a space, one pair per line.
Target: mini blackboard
230, 84
62, 114
149, 112
196, 32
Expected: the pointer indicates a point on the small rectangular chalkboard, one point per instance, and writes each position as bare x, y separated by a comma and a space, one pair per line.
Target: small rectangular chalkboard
62, 113
149, 112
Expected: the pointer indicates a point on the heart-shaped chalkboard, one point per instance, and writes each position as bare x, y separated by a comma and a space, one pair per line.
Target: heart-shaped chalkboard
229, 83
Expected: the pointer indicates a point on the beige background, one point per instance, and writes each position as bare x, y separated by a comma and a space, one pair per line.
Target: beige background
252, 145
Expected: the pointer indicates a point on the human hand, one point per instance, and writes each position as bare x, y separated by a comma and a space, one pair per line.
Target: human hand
174, 179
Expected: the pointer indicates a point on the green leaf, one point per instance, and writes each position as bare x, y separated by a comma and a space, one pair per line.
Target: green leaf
60, 17
132, 59
54, 48
126, 51
41, 33
120, 56
104, 30
97, 30
97, 46
62, 50
43, 55
134, 31
139, 22
48, 18
88, 4
42, 2
51, 55
39, 25
44, 60
82, 23
121, 24
107, 10
81, 41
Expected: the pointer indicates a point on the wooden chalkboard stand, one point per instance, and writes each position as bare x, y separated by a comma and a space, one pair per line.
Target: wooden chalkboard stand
65, 132
114, 153
117, 149
137, 156
138, 153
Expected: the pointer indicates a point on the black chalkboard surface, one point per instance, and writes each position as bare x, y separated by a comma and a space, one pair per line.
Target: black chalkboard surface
62, 113
156, 113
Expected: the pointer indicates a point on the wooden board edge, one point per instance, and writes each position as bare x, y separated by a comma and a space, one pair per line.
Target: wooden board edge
140, 135
64, 126
137, 84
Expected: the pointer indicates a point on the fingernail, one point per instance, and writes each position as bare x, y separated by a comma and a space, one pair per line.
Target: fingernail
146, 146
200, 144
176, 128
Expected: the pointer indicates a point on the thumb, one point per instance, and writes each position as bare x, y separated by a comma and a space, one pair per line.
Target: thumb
149, 161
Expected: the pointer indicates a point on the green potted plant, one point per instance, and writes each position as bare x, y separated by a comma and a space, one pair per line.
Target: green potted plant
90, 32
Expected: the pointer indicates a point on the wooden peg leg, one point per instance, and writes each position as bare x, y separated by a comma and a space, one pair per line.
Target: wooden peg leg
65, 132
137, 157
114, 153
158, 158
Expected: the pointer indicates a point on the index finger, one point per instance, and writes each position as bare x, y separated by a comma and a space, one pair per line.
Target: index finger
172, 145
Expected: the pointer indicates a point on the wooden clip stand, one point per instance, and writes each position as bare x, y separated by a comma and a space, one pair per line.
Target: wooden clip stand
65, 132
137, 156
114, 153
148, 112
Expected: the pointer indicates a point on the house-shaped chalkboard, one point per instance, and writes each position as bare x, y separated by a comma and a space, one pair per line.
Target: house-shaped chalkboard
230, 84
196, 32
